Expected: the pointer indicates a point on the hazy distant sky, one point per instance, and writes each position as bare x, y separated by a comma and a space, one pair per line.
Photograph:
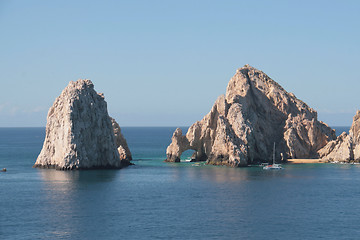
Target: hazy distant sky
164, 63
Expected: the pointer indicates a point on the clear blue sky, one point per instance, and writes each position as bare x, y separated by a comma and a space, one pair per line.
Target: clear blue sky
164, 63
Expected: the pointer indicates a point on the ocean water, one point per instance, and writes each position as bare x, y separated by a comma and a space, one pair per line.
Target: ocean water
158, 200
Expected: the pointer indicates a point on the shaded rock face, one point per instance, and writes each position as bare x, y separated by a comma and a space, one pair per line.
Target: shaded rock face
346, 148
79, 132
243, 125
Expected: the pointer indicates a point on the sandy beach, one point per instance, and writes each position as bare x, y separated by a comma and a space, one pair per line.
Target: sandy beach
296, 161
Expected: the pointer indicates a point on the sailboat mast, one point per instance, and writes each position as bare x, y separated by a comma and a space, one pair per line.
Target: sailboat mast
274, 154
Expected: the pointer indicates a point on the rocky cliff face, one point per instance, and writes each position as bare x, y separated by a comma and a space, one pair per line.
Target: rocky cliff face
346, 148
80, 134
244, 123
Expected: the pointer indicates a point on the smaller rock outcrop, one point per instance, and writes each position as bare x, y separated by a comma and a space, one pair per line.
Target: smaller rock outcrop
121, 144
339, 149
346, 148
80, 133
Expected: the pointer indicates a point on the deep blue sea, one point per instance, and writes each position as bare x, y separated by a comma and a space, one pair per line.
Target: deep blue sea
158, 200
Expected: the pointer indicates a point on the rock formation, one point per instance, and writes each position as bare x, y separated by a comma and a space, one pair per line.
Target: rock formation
243, 125
346, 148
80, 133
121, 144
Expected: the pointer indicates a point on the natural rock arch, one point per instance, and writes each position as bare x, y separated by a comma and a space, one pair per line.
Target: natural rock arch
182, 144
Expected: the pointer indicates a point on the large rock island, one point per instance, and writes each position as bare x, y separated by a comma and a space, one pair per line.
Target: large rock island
243, 125
80, 134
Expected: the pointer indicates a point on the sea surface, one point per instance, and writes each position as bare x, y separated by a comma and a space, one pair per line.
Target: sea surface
158, 200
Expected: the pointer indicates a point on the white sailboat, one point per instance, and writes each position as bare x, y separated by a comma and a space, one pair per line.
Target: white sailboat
273, 165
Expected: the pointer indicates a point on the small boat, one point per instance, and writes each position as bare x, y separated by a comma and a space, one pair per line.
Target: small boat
187, 160
273, 165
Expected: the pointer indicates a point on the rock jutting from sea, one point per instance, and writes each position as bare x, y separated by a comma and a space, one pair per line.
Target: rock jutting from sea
80, 134
121, 144
346, 148
243, 125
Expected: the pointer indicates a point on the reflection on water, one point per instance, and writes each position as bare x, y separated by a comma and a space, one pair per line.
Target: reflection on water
54, 176
72, 196
220, 174
151, 199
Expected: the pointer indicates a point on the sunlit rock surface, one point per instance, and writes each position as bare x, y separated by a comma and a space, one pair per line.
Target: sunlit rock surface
80, 133
243, 125
346, 148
